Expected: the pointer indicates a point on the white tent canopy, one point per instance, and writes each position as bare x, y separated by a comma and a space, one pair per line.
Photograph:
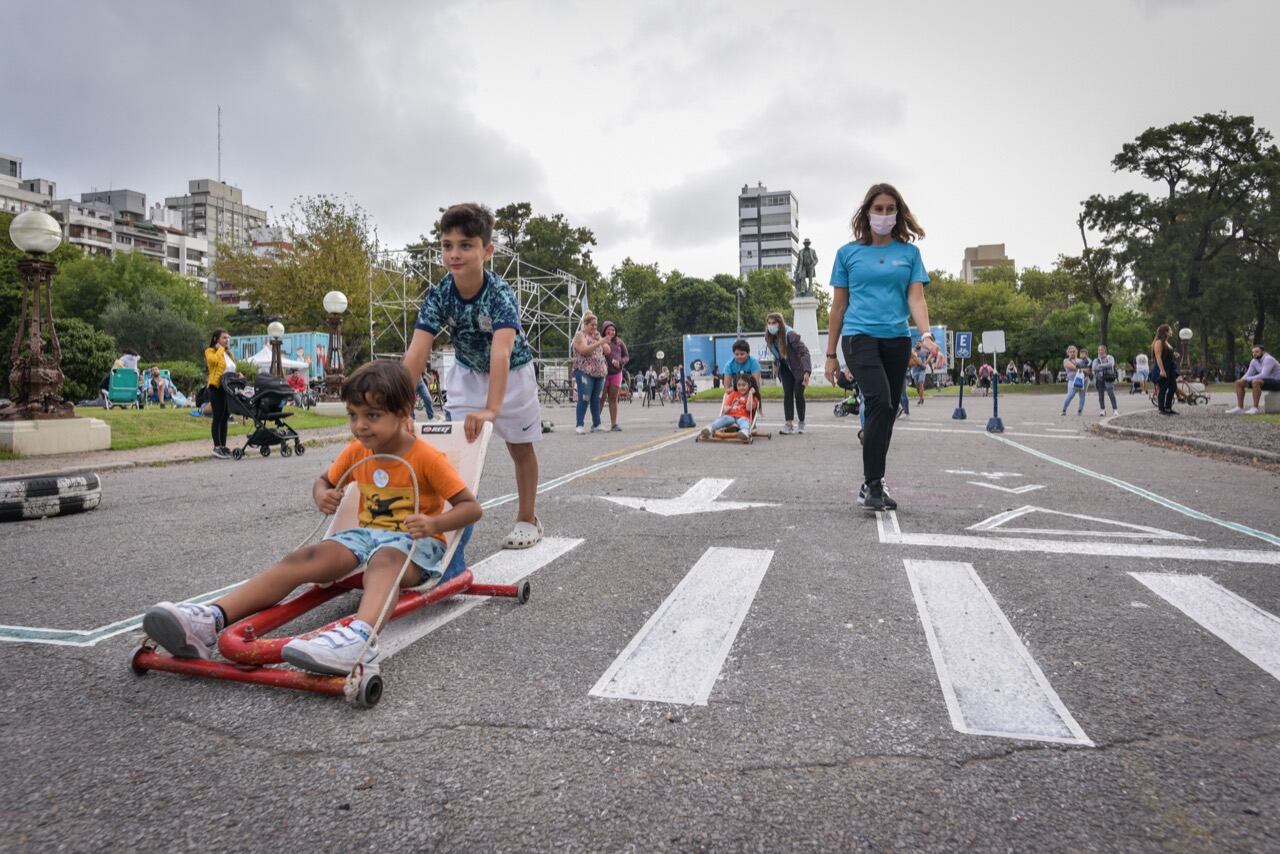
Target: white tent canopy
262, 361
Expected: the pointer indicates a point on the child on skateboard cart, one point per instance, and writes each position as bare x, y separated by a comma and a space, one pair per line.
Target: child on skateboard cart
739, 409
379, 398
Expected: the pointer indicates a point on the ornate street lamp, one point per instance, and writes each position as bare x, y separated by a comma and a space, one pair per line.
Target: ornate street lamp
1185, 334
35, 377
275, 332
335, 302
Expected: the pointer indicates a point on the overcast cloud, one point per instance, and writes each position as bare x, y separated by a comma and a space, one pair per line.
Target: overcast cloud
639, 120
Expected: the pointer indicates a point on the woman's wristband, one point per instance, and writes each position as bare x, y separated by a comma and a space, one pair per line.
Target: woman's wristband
831, 355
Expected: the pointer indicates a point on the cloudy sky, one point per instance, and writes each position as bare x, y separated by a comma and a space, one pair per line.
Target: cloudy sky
641, 120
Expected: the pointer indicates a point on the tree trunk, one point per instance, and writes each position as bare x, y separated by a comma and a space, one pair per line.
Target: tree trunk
1229, 343
1104, 321
1260, 316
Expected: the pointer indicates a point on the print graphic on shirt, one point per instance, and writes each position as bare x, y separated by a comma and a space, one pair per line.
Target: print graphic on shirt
385, 508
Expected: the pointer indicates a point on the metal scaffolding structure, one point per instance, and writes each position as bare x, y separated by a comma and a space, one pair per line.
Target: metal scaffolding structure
550, 302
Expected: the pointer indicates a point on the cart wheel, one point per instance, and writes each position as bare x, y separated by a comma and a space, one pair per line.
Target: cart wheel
522, 593
237, 453
860, 439
265, 450
133, 660
370, 691
839, 410
285, 450
298, 447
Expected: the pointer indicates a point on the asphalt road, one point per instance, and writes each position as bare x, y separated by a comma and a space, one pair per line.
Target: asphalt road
844, 715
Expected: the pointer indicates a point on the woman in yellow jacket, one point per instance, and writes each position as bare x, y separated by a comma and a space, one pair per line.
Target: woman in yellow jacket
216, 358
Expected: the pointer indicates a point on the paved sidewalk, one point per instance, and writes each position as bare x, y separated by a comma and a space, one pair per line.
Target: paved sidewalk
156, 455
1205, 428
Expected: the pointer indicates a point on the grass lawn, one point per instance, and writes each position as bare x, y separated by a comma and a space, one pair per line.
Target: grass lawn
133, 428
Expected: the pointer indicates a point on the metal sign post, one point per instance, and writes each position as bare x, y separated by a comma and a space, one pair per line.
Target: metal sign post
964, 349
993, 343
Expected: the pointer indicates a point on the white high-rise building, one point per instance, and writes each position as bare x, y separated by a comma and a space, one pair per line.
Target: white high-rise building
216, 211
768, 229
18, 194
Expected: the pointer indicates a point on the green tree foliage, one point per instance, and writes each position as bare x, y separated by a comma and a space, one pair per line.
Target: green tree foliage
1216, 183
981, 306
86, 287
152, 329
332, 248
682, 306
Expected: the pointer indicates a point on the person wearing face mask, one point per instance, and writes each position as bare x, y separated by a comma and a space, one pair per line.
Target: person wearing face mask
791, 357
878, 282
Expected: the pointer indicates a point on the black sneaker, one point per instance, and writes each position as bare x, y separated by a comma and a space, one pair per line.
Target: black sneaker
222, 453
871, 496
889, 503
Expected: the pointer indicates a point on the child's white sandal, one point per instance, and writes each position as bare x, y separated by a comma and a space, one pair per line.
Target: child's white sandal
524, 535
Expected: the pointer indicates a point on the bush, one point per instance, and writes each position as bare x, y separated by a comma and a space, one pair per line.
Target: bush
249, 369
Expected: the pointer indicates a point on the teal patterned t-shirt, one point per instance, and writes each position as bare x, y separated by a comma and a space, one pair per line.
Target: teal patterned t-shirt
471, 323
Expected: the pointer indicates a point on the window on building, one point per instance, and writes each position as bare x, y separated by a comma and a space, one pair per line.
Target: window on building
172, 251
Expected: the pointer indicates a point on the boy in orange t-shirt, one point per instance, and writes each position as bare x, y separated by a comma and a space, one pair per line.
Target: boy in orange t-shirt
379, 399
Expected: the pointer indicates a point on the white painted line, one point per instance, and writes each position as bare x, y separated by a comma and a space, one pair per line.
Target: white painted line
699, 498
505, 567
1012, 490
991, 475
991, 683
999, 524
1059, 430
975, 432
677, 655
1147, 494
891, 534
1242, 625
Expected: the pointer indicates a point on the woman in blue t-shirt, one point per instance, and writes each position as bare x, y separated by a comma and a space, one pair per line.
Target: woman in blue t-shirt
877, 283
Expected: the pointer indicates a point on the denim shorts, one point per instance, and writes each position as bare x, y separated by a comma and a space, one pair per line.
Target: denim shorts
363, 542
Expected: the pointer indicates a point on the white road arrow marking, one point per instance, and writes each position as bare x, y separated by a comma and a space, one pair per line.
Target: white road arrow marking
700, 498
1012, 490
993, 475
999, 524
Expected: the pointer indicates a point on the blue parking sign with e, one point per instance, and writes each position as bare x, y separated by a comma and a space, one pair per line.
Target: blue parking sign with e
964, 345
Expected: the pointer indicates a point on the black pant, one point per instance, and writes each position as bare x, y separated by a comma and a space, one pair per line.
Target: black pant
792, 394
1164, 393
880, 367
219, 405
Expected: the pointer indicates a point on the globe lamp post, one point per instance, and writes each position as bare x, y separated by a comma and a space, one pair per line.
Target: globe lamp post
275, 332
35, 377
335, 303
1185, 334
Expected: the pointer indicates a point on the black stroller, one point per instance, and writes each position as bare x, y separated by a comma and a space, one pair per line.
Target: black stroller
263, 402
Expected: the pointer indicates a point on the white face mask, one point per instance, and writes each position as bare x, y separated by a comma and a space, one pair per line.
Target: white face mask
773, 328
883, 224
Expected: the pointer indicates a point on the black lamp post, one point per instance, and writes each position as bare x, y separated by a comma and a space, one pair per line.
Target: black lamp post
335, 303
35, 377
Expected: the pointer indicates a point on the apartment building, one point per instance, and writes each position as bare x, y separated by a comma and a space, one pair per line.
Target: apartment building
768, 229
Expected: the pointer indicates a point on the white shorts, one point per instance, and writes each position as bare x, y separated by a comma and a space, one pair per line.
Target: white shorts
520, 419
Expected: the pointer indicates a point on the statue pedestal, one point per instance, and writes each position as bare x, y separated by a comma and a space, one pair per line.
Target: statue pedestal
54, 436
805, 323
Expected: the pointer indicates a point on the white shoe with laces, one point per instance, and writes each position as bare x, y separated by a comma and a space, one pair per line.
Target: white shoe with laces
334, 651
1253, 410
1235, 410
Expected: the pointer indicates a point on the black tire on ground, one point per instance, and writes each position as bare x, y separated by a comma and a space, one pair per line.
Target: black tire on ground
40, 497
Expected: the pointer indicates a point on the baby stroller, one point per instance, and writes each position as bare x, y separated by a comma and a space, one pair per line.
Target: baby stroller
263, 403
850, 405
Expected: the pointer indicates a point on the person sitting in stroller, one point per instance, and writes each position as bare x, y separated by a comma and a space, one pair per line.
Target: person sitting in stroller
739, 408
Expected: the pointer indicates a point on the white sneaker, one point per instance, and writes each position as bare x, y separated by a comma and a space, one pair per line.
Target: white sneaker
1115, 412
334, 651
1102, 413
581, 431
1253, 410
786, 430
184, 630
1235, 410
800, 427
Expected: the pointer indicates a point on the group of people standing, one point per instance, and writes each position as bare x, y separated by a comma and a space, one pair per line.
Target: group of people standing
1080, 369
599, 356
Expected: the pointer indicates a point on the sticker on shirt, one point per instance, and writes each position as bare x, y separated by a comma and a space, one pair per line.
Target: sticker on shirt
485, 323
381, 478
